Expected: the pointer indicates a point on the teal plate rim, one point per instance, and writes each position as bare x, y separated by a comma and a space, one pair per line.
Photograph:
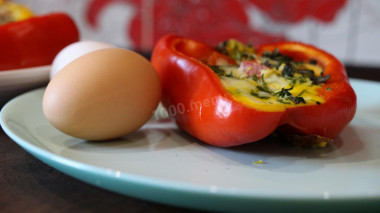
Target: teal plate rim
184, 194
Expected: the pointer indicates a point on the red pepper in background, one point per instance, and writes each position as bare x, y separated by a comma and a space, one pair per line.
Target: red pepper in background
35, 41
195, 97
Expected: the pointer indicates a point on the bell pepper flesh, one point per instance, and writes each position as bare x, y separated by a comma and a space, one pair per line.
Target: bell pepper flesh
35, 41
195, 97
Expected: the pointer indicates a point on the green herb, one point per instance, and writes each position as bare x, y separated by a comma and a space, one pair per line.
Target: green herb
261, 88
266, 63
301, 93
284, 93
247, 56
236, 50
255, 78
219, 71
297, 79
302, 79
265, 86
221, 47
311, 75
293, 81
320, 79
283, 101
273, 54
284, 96
306, 72
298, 100
288, 71
253, 93
230, 75
238, 54
313, 61
236, 92
277, 56
298, 63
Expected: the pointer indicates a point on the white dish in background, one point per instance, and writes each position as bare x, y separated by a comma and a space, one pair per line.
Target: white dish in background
15, 82
162, 164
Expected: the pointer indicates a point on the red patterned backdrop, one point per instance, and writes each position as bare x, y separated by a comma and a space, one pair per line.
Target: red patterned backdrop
349, 29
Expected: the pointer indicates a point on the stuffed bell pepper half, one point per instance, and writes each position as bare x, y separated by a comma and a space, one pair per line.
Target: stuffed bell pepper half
235, 94
29, 40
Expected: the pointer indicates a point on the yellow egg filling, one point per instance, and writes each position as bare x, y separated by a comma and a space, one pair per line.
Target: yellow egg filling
271, 82
11, 11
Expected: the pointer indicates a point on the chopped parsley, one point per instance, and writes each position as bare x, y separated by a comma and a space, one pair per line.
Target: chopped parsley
288, 71
255, 78
265, 86
257, 95
236, 50
277, 56
284, 95
313, 61
219, 71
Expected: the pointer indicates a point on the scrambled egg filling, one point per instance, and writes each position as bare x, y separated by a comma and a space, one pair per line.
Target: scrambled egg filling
11, 11
271, 81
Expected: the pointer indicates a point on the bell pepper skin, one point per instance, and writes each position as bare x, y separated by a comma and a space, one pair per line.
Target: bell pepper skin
35, 41
195, 97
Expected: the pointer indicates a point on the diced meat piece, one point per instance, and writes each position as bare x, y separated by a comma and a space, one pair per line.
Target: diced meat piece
252, 68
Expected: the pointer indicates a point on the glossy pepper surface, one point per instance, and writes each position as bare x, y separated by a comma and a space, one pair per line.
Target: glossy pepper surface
195, 97
35, 41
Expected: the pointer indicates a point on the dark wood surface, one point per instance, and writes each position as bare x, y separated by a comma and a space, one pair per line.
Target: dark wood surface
29, 185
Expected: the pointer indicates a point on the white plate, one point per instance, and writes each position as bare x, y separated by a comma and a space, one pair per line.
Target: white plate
160, 163
15, 82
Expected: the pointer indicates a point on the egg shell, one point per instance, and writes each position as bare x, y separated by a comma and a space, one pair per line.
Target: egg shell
102, 95
74, 51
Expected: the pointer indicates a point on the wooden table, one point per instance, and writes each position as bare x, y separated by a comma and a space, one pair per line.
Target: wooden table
29, 185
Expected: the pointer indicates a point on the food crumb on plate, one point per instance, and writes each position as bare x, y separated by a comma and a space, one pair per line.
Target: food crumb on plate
258, 162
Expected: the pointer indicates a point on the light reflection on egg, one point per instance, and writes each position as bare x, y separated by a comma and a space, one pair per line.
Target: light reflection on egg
74, 51
102, 95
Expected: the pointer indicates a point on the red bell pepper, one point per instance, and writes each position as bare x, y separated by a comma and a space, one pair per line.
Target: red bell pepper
35, 41
195, 97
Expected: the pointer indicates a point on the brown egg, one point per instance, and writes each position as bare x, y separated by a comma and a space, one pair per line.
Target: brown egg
102, 95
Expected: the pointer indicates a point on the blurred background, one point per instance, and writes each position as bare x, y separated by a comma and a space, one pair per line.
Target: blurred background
349, 29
